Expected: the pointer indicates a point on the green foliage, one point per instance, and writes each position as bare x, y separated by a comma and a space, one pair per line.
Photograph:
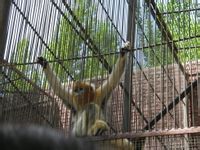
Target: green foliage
182, 25
68, 47
21, 56
155, 52
74, 52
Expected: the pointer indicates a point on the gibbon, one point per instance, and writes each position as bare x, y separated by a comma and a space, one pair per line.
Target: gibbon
87, 100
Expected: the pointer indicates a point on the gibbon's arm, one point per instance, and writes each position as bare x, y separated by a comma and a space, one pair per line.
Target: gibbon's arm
106, 88
59, 89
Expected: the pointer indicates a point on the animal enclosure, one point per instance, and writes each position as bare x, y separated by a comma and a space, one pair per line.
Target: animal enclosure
156, 103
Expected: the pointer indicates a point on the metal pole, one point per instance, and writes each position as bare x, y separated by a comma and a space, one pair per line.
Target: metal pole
4, 13
129, 66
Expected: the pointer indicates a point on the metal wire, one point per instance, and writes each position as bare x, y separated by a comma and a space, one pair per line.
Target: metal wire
81, 40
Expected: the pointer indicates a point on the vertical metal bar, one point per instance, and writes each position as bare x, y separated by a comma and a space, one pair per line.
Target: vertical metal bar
128, 71
4, 13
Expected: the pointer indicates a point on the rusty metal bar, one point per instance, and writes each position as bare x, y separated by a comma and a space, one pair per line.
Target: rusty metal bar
170, 106
26, 79
26, 98
128, 71
128, 135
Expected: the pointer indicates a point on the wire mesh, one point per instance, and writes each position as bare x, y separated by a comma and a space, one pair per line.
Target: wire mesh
81, 41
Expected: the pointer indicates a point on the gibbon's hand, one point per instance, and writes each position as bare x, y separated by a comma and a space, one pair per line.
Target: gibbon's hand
42, 61
126, 48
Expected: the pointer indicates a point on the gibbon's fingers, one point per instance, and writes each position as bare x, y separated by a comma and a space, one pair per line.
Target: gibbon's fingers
126, 48
104, 91
127, 45
98, 128
59, 89
42, 61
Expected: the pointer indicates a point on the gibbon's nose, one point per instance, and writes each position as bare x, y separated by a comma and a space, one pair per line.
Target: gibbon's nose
79, 91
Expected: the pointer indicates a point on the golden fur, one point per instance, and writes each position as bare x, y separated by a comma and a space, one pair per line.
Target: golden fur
88, 119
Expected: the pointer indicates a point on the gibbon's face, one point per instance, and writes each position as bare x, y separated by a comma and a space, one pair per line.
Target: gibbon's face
83, 93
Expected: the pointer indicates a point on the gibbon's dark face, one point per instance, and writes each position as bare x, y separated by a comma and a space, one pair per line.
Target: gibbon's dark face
83, 93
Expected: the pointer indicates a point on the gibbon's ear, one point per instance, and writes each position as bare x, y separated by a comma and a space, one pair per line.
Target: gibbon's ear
60, 89
104, 91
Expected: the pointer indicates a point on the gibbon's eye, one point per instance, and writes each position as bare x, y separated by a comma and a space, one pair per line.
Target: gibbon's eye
79, 90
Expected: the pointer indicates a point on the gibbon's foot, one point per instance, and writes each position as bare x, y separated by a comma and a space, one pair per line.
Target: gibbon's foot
42, 61
98, 128
126, 48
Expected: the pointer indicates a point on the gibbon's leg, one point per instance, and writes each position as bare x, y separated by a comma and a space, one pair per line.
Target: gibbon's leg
59, 89
79, 124
104, 91
97, 126
89, 121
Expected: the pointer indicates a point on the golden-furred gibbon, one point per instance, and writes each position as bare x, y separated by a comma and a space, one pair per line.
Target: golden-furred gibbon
87, 100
